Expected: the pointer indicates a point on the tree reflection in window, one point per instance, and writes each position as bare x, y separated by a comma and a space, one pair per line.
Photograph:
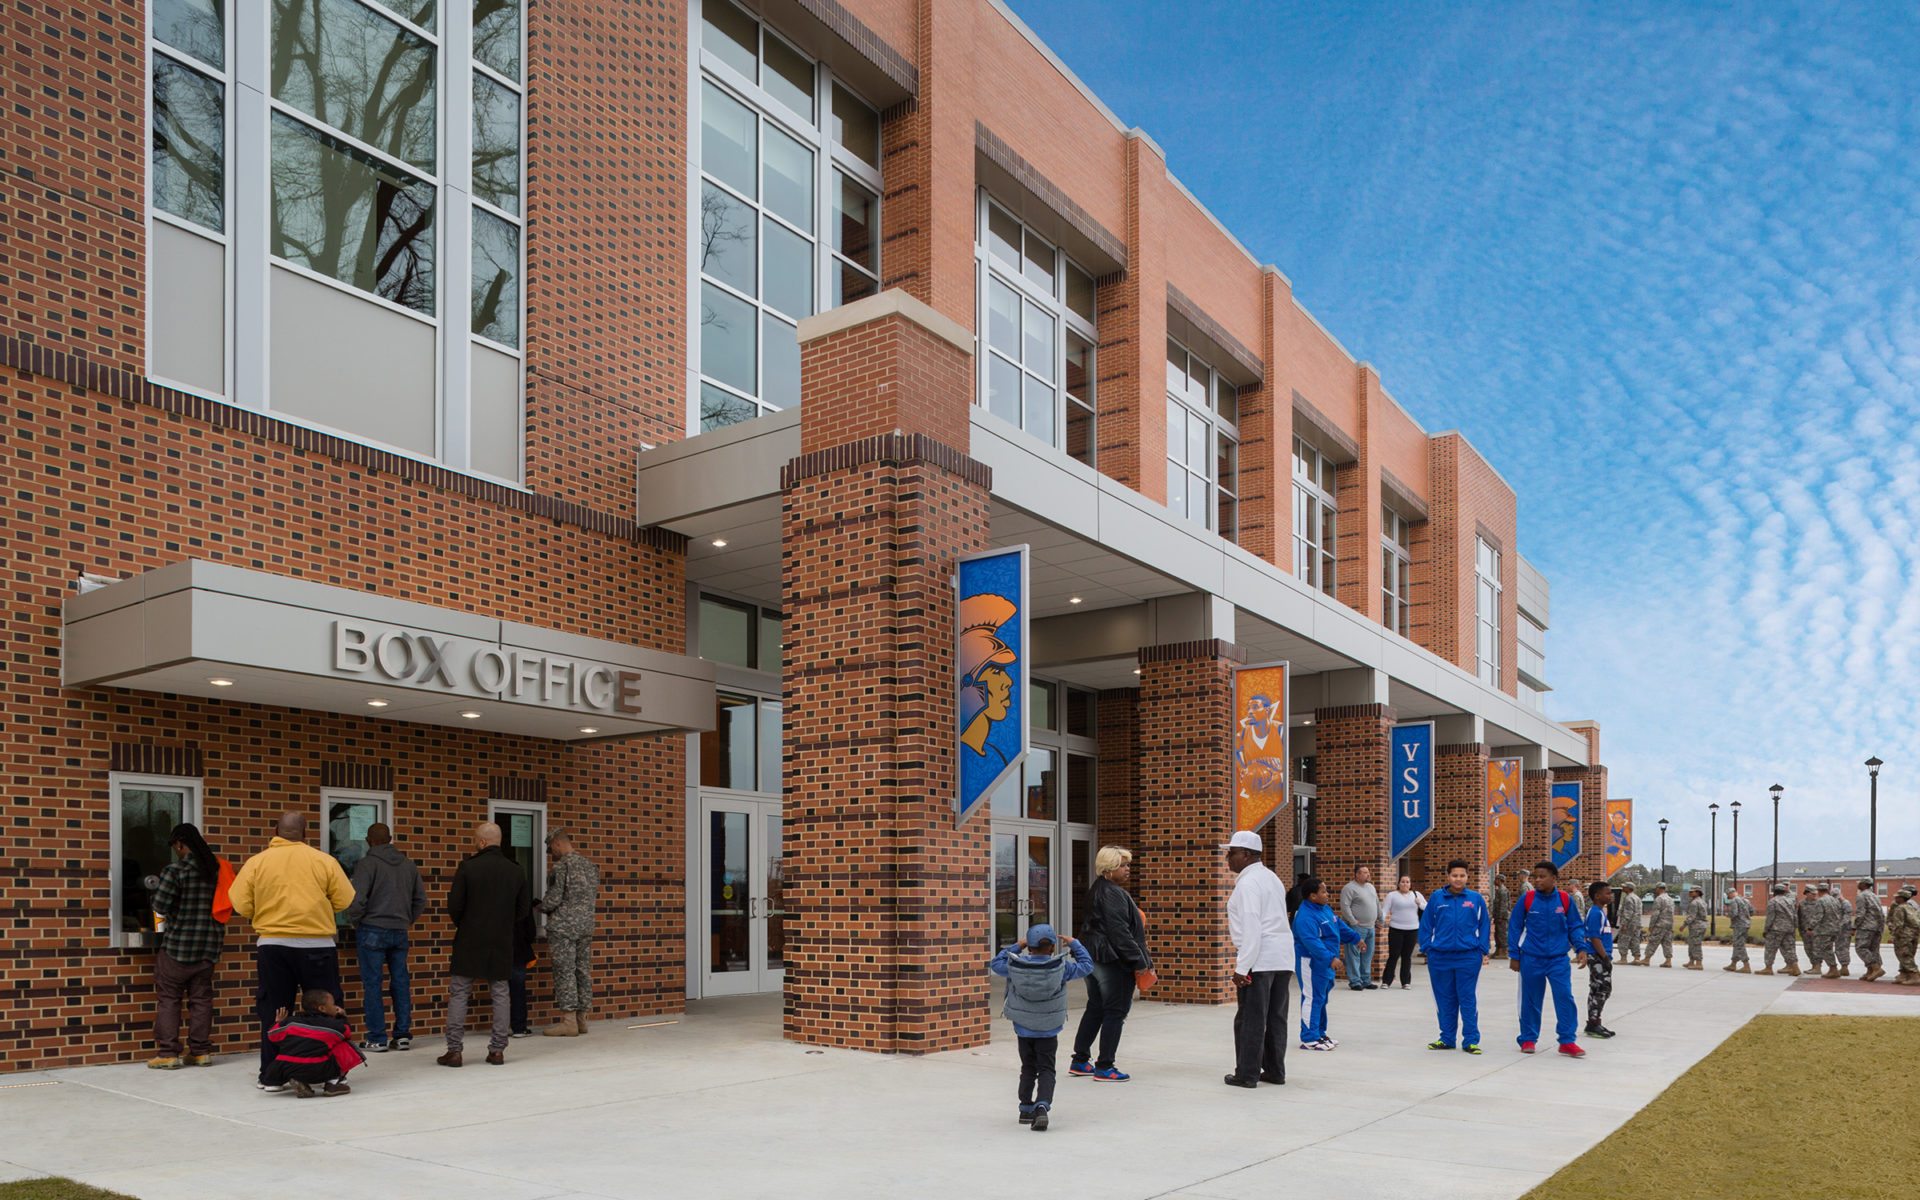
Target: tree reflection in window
365, 75
189, 144
351, 217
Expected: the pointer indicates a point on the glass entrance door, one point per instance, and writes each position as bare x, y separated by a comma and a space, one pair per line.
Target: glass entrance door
742, 932
1023, 878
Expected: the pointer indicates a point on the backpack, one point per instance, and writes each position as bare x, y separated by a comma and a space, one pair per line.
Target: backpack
223, 892
1566, 900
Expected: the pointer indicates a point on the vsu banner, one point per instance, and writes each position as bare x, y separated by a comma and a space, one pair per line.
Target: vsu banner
1505, 815
990, 672
1411, 785
1619, 835
1564, 832
1260, 745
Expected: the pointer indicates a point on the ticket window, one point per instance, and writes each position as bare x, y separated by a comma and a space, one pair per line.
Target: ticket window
345, 818
145, 810
523, 835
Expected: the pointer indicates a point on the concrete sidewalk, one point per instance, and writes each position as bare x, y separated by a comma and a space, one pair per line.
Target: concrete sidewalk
717, 1104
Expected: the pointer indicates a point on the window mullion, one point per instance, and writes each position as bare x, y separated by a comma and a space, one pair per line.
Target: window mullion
456, 236
251, 206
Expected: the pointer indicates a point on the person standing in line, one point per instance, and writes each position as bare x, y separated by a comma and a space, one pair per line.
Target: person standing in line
1263, 964
1036, 1003
1456, 932
1628, 928
1783, 918
290, 892
524, 934
1824, 925
1843, 938
388, 898
1599, 931
1403, 907
1659, 927
1696, 927
488, 896
1318, 934
189, 950
1869, 922
573, 888
1806, 916
1116, 937
1360, 908
1502, 908
1740, 914
1904, 921
1544, 928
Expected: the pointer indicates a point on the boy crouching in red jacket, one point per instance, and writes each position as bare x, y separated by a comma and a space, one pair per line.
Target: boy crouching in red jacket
316, 1047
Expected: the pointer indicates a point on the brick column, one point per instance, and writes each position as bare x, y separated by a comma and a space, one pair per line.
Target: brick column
1536, 838
1591, 863
1459, 817
1352, 748
1185, 814
1117, 781
887, 897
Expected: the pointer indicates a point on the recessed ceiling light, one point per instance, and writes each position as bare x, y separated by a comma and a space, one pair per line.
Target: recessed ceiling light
218, 682
1306, 720
1073, 599
1136, 670
377, 703
589, 729
720, 543
471, 715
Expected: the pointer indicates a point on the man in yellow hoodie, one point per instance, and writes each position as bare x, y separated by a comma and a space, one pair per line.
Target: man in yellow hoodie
290, 892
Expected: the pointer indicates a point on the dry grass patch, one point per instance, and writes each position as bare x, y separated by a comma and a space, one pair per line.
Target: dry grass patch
55, 1189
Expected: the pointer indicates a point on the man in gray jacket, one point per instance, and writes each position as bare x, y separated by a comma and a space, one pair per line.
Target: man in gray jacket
1360, 908
388, 898
573, 888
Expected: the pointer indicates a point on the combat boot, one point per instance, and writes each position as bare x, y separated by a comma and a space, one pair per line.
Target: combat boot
1731, 967
1830, 973
1694, 966
564, 1027
1793, 969
1746, 968
1909, 978
1872, 974
1763, 971
1668, 963
1845, 972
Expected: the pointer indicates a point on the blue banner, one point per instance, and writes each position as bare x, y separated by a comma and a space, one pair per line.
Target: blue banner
1412, 785
990, 672
1565, 833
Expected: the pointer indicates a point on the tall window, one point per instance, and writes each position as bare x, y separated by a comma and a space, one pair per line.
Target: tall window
1487, 606
1203, 443
1396, 571
789, 210
1313, 517
145, 810
1036, 306
387, 150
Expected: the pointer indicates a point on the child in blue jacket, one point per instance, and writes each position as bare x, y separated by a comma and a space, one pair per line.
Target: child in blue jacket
1318, 933
1599, 931
1454, 935
1544, 928
1036, 1003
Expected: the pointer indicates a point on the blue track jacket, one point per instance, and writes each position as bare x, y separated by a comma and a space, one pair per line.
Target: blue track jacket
1318, 933
1456, 924
1548, 927
1598, 930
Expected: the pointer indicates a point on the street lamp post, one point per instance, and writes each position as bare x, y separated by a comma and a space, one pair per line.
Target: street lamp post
1736, 844
1773, 876
1713, 871
1663, 849
1873, 816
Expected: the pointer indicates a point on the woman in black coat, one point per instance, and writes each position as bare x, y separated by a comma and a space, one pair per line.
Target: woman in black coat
1116, 937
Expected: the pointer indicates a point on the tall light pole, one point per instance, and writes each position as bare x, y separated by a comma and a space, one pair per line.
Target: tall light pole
1774, 876
1873, 815
1663, 849
1735, 806
1713, 871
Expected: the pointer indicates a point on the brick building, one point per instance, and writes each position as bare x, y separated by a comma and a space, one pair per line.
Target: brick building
1847, 875
774, 309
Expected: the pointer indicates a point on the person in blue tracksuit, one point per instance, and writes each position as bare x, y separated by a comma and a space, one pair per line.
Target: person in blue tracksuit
1455, 933
1544, 928
1318, 933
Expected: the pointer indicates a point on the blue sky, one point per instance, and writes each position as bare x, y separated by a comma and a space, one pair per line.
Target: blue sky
1658, 263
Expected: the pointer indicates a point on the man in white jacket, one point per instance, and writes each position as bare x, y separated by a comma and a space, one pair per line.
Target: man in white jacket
1263, 960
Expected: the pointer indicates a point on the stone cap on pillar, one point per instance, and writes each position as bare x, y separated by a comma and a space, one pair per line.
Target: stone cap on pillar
885, 364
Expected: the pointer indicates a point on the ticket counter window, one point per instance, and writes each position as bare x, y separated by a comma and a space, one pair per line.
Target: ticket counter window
523, 835
346, 818
145, 810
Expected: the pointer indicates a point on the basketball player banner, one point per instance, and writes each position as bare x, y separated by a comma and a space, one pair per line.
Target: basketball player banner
1260, 745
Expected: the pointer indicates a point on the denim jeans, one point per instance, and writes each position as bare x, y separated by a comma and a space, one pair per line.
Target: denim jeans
1358, 957
383, 951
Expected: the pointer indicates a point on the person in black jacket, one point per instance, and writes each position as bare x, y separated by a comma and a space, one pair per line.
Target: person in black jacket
489, 896
1116, 936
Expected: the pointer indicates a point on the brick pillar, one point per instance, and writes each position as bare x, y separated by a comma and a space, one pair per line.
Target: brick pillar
887, 897
1117, 728
1185, 814
1591, 863
1459, 817
1536, 838
1351, 763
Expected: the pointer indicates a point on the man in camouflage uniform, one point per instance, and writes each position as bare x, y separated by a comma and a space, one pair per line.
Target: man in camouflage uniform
1904, 920
1696, 927
573, 886
1740, 913
1659, 927
1823, 926
1630, 933
1502, 909
1843, 941
1783, 919
1869, 920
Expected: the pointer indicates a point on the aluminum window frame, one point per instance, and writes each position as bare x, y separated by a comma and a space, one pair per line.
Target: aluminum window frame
331, 796
1053, 302
192, 812
1396, 562
1218, 432
1487, 597
1316, 518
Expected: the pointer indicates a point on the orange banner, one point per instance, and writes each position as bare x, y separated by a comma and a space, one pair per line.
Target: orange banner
1619, 835
1260, 745
1503, 808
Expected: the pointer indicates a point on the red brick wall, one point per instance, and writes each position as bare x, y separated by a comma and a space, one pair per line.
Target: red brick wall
1351, 766
1459, 819
1590, 863
884, 376
1536, 840
1117, 727
1468, 497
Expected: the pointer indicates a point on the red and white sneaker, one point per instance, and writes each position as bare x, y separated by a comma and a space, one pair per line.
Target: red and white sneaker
1526, 1047
1573, 1051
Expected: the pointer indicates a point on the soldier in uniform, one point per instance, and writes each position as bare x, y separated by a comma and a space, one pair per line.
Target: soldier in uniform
573, 887
1502, 909
1904, 921
1659, 927
1740, 913
1843, 940
1630, 931
1696, 927
1869, 920
1805, 915
1783, 919
1823, 926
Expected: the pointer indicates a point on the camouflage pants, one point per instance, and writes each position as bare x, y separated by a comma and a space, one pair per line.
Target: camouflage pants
1867, 943
1660, 938
1740, 943
1695, 938
1843, 947
1500, 937
1599, 987
1903, 948
572, 971
1820, 951
1780, 942
1627, 941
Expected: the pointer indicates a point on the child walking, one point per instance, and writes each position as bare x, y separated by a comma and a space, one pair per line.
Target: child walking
315, 1047
1600, 957
1318, 933
1036, 1003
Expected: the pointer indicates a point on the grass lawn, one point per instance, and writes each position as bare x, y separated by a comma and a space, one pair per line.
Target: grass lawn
55, 1189
1761, 1078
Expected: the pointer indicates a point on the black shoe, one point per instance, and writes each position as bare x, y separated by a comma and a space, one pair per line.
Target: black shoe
1039, 1122
1270, 1077
1372, 987
1026, 1115
1603, 1031
1241, 1081
1356, 987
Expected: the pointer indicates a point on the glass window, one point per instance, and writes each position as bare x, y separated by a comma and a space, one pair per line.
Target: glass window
728, 750
346, 817
789, 77
771, 767
496, 35
1040, 705
726, 631
789, 273
1203, 447
727, 339
1079, 293
496, 279
1082, 807
731, 35
768, 651
1396, 572
189, 144
145, 810
780, 372
1042, 785
729, 141
359, 72
1314, 512
789, 178
496, 143
1081, 413
350, 216
1487, 611
1080, 709
196, 27
856, 126
729, 241
1038, 340
856, 241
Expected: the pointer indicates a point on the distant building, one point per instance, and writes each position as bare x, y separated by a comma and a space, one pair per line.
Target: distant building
1845, 874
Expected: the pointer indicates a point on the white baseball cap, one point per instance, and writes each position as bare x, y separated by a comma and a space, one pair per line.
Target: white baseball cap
1244, 840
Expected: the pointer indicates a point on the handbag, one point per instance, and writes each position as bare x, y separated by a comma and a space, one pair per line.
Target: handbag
1144, 980
223, 893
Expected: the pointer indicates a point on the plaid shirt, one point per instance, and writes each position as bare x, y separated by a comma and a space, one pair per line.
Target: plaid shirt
186, 900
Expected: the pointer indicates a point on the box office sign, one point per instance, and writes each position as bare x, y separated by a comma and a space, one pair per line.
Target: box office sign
463, 667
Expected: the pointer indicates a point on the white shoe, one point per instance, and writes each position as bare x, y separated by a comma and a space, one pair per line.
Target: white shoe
270, 1087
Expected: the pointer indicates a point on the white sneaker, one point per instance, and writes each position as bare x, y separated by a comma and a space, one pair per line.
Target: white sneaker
1322, 1044
270, 1087
1331, 1040
1327, 1044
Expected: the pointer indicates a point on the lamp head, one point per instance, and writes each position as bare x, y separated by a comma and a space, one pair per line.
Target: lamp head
1713, 808
1663, 824
1873, 765
1735, 806
1776, 789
